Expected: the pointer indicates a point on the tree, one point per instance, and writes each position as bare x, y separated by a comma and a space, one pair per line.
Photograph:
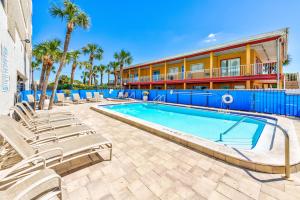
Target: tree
288, 60
87, 67
74, 56
74, 18
108, 71
38, 53
35, 65
51, 53
63, 79
114, 67
101, 70
95, 52
123, 58
84, 76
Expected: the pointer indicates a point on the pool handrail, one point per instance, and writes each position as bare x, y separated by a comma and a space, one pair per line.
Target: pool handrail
286, 145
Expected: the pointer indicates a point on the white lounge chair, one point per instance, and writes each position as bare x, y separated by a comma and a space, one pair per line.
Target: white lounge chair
39, 126
19, 184
46, 136
120, 95
43, 113
56, 152
77, 99
98, 97
61, 100
49, 118
89, 97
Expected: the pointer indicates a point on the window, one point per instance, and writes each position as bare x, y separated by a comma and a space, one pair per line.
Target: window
156, 75
230, 67
199, 67
173, 70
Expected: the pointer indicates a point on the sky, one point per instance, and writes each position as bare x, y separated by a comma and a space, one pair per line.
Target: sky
155, 29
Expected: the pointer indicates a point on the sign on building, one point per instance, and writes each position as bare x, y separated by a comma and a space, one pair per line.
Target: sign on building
4, 69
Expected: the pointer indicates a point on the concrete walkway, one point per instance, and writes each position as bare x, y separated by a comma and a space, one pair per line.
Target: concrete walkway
145, 166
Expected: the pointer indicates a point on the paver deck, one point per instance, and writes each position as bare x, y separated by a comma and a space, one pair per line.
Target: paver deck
145, 166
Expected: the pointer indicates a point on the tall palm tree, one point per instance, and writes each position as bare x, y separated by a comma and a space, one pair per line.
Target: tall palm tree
84, 76
38, 53
108, 71
74, 18
94, 75
51, 54
114, 67
123, 58
74, 56
35, 65
87, 67
95, 52
101, 69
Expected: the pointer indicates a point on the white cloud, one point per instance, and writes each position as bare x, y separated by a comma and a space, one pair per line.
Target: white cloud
210, 38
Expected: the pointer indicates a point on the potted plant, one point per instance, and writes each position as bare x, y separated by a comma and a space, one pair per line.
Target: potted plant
145, 95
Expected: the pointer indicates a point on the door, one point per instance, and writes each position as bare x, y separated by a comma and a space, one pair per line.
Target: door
230, 67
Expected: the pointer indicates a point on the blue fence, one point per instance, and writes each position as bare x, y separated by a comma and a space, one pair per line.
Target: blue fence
262, 101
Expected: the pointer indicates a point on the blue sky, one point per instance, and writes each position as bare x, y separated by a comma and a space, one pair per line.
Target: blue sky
156, 28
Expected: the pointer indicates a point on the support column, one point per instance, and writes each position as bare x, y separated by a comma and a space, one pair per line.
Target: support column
211, 65
279, 66
139, 74
150, 76
248, 65
165, 75
184, 73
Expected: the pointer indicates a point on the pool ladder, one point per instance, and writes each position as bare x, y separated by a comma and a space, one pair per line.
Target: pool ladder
159, 98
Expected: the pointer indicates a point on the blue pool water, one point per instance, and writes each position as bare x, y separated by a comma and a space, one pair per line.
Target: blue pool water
237, 130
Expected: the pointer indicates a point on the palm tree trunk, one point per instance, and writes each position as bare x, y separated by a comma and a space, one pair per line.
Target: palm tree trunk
115, 81
32, 78
101, 79
42, 77
108, 77
62, 63
44, 88
121, 75
73, 73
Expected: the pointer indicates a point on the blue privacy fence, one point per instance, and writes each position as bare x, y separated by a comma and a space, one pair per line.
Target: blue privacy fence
262, 101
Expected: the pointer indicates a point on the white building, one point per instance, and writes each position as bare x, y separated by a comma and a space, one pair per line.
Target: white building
15, 50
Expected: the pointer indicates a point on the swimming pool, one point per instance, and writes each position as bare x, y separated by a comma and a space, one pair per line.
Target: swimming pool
240, 131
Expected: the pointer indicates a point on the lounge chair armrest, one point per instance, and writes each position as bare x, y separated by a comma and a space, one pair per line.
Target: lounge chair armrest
56, 149
44, 140
13, 173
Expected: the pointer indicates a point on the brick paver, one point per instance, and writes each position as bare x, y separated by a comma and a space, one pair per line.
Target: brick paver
145, 166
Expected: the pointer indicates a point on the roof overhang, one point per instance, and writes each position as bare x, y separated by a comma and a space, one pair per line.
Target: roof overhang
260, 42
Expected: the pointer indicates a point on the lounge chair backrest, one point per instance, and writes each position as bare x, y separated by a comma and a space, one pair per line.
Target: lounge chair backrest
30, 98
22, 116
25, 110
24, 132
76, 97
28, 107
60, 97
97, 95
120, 95
89, 95
126, 95
12, 135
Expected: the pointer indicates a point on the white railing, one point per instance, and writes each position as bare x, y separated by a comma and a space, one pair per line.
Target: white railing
158, 77
175, 76
144, 79
197, 74
262, 68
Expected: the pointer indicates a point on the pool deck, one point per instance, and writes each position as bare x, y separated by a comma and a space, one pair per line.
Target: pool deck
145, 166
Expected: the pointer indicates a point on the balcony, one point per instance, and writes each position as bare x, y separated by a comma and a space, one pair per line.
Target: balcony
231, 71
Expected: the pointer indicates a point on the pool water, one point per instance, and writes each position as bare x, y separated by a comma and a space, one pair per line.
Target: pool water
234, 130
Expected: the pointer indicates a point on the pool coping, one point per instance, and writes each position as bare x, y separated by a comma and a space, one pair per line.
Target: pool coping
270, 161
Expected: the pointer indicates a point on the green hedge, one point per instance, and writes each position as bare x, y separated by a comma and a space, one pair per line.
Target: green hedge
81, 87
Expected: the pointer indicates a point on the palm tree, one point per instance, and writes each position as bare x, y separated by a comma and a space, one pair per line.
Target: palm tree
84, 76
75, 18
123, 58
114, 67
74, 55
38, 53
51, 54
101, 69
108, 71
35, 65
95, 52
94, 75
288, 60
87, 67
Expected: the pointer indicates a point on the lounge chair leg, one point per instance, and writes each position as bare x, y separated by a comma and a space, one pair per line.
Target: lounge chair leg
110, 156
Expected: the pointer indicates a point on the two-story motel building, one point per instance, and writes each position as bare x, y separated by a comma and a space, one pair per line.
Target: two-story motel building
249, 63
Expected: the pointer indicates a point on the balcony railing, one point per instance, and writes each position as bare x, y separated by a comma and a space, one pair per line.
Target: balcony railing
197, 74
158, 77
241, 70
175, 76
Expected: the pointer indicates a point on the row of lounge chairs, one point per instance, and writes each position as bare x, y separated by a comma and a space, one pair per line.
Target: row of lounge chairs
41, 140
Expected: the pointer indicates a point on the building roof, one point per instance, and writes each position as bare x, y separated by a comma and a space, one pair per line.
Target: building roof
260, 38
